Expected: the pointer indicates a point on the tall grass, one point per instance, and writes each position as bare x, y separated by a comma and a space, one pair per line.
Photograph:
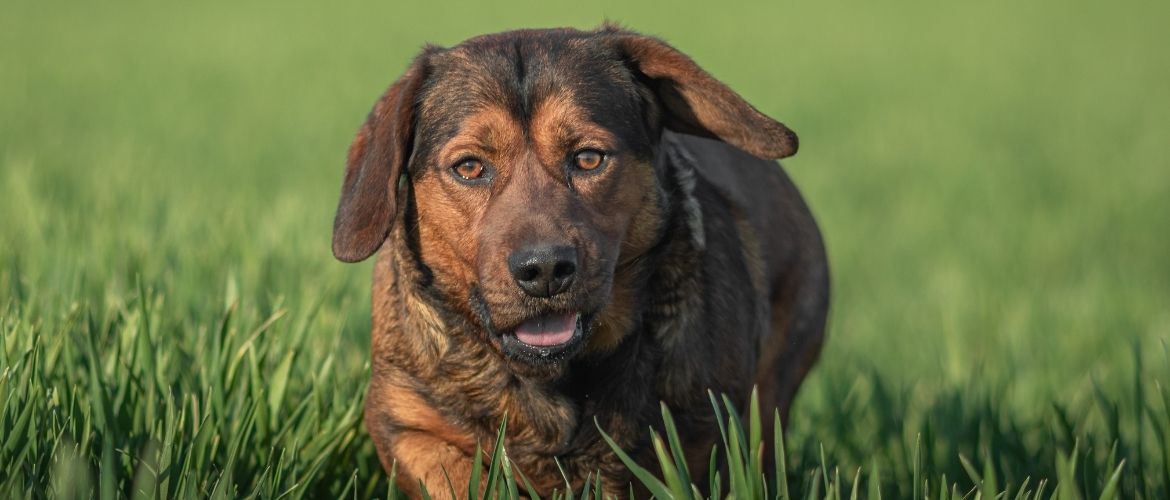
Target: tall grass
107, 402
991, 179
110, 401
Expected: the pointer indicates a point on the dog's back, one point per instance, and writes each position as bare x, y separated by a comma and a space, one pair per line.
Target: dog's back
756, 213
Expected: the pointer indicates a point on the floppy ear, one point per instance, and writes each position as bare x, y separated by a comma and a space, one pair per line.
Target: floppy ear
376, 159
696, 103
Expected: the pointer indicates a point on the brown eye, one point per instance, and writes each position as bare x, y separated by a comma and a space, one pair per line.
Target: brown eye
588, 159
469, 169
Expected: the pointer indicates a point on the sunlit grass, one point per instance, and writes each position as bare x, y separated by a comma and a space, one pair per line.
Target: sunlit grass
991, 179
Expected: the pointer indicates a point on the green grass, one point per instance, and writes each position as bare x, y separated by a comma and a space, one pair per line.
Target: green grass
991, 178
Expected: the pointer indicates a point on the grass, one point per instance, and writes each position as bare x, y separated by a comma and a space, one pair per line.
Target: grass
991, 179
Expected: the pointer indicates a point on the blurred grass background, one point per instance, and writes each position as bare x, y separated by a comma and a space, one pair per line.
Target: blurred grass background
991, 179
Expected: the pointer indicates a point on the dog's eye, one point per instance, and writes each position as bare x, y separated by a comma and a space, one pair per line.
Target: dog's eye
469, 169
588, 159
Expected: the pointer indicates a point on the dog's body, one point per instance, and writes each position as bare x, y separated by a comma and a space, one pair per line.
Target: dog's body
563, 256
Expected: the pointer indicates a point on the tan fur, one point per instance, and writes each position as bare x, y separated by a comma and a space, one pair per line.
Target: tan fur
432, 462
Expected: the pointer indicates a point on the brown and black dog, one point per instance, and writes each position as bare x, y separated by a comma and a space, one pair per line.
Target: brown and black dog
574, 226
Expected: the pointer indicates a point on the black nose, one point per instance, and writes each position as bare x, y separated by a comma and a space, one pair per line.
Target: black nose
543, 270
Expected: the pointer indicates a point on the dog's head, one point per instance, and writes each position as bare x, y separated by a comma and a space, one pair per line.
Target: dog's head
529, 160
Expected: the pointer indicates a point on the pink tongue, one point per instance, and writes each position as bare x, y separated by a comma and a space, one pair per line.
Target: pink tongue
554, 329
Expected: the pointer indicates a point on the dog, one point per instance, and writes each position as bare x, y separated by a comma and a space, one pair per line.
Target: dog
573, 226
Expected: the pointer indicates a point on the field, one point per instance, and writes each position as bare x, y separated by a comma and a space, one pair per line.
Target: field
992, 179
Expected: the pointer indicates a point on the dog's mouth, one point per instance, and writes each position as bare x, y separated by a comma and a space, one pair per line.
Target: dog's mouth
550, 330
547, 338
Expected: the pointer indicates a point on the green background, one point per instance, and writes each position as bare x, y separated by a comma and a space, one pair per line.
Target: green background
991, 178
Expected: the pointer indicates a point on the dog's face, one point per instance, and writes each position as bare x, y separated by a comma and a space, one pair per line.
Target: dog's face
530, 158
532, 181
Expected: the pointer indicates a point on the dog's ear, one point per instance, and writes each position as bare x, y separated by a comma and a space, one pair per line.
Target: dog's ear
696, 103
376, 159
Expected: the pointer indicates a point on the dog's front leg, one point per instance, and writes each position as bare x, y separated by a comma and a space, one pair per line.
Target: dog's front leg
424, 460
412, 436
